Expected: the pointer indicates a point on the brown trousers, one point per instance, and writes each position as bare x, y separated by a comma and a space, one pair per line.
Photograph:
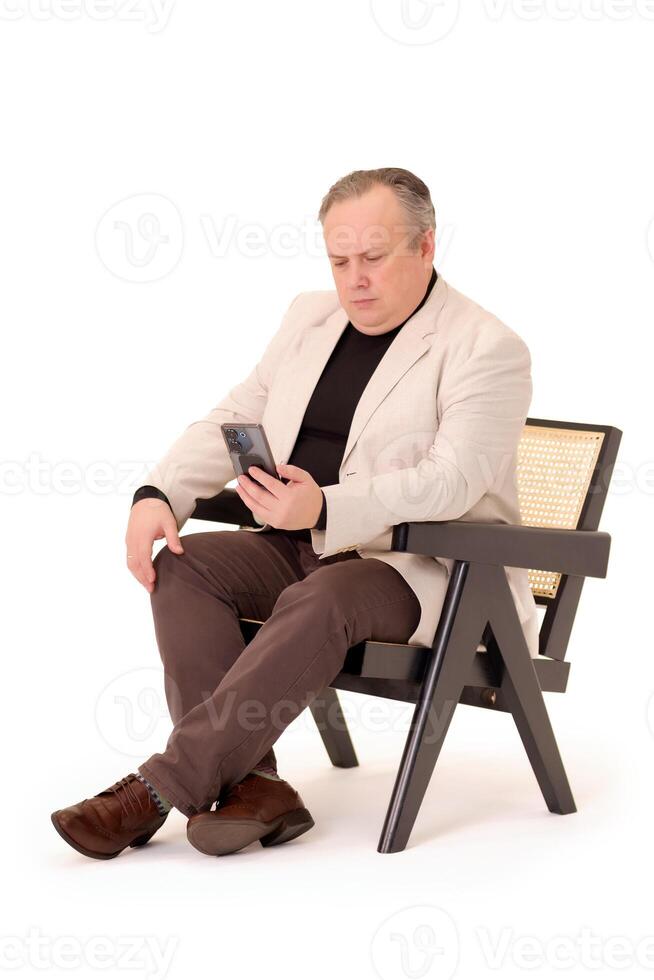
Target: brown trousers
229, 701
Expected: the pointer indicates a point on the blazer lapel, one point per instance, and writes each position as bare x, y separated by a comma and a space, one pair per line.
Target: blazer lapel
301, 379
412, 341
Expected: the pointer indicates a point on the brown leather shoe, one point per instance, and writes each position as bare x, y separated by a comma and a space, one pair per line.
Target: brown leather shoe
123, 815
267, 810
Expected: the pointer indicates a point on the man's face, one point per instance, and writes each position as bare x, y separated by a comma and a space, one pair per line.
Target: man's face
366, 239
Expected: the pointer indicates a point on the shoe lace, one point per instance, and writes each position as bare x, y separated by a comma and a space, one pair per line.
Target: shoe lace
124, 793
234, 793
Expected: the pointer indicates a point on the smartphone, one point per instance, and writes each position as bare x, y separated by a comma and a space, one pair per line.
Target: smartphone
248, 445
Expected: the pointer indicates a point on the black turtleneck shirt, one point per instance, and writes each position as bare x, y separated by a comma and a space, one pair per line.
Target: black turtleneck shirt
326, 423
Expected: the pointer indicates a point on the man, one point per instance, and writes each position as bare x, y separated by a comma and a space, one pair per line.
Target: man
393, 398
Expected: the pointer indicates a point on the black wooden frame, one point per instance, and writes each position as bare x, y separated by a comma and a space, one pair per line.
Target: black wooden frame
479, 655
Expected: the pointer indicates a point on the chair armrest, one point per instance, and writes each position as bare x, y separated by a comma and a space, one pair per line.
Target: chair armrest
544, 548
226, 507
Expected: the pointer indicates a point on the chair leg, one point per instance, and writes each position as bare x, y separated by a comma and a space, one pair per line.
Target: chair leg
328, 716
459, 631
524, 698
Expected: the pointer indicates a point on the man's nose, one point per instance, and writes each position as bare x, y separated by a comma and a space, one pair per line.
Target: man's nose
358, 278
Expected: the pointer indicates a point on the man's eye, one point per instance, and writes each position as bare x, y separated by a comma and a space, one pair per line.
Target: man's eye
370, 258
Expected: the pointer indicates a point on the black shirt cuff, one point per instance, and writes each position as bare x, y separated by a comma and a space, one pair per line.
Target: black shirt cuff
321, 523
148, 491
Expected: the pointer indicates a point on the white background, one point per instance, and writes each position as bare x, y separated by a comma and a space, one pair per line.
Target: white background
531, 123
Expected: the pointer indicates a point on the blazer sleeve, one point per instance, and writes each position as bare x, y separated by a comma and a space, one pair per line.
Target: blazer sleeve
484, 396
197, 465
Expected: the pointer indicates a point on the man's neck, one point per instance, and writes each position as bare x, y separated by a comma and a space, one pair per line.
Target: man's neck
428, 286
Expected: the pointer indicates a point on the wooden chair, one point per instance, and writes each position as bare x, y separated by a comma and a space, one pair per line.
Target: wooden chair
479, 655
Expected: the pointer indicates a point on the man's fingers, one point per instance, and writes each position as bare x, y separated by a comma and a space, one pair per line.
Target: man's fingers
146, 569
146, 565
250, 501
254, 491
140, 565
172, 537
295, 473
272, 483
141, 535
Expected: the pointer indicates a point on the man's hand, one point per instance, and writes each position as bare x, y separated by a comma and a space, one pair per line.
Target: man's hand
150, 519
289, 506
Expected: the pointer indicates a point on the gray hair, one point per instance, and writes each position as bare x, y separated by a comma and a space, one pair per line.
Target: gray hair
412, 193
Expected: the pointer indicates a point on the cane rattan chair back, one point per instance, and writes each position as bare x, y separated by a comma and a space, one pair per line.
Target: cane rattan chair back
554, 474
563, 473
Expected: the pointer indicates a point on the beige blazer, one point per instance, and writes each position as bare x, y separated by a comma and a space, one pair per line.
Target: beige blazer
434, 435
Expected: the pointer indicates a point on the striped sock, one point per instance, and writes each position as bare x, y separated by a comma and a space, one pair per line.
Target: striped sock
163, 805
266, 771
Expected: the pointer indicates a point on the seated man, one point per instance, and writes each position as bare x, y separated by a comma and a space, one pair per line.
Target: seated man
393, 398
